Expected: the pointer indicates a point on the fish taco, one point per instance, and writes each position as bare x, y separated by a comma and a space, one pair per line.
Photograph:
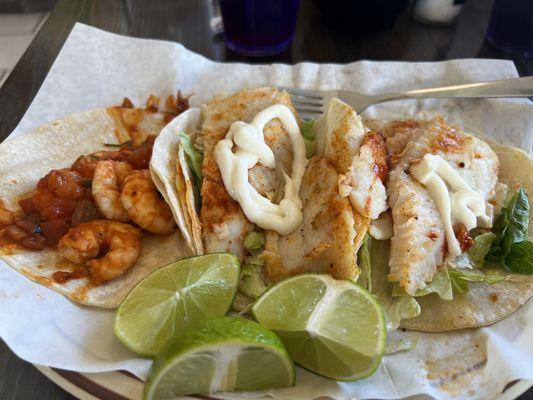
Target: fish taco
431, 219
312, 169
460, 218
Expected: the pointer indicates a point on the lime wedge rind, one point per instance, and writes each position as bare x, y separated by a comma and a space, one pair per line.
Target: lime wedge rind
213, 348
304, 344
222, 354
145, 333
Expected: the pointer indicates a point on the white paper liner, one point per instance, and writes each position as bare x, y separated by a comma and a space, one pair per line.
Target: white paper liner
96, 69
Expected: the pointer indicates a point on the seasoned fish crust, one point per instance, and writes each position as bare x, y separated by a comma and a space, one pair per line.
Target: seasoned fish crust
224, 225
364, 180
418, 245
360, 158
342, 190
325, 240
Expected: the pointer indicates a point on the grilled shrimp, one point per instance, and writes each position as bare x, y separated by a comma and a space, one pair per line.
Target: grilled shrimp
85, 243
108, 178
144, 204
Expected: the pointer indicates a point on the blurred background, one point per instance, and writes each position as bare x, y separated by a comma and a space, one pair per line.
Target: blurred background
415, 30
19, 23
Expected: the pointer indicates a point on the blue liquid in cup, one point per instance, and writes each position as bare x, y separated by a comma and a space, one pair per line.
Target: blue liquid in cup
259, 27
511, 26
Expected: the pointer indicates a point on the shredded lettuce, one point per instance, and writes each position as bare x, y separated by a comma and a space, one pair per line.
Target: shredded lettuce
479, 250
254, 242
364, 263
194, 157
252, 283
306, 127
460, 278
448, 281
510, 248
396, 308
459, 285
441, 285
476, 255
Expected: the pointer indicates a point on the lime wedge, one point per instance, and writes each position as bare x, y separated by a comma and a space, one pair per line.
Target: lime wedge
172, 298
332, 327
223, 354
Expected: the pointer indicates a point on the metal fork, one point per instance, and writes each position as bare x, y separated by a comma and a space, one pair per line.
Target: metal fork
311, 104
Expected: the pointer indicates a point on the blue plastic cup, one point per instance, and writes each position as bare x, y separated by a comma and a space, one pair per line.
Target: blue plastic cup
259, 27
511, 26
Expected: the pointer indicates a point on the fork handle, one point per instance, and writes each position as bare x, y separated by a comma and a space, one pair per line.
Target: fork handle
516, 87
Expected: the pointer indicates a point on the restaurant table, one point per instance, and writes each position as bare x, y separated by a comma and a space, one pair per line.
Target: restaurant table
187, 22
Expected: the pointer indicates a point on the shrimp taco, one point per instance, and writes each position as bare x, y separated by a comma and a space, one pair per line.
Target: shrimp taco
79, 211
429, 218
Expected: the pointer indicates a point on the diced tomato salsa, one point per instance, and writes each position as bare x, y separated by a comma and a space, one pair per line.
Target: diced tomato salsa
63, 199
27, 205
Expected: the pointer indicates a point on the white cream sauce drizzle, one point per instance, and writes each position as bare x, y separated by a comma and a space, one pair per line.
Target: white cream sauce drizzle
464, 205
243, 147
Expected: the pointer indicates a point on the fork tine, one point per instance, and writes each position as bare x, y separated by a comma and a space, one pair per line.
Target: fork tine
305, 101
308, 104
309, 108
303, 93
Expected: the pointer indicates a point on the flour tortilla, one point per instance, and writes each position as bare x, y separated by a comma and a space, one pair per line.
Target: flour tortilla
189, 197
484, 304
25, 159
173, 178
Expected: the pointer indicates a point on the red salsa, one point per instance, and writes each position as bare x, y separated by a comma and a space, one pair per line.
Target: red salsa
63, 199
65, 276
463, 237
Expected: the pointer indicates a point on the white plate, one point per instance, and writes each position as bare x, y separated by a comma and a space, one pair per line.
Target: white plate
123, 386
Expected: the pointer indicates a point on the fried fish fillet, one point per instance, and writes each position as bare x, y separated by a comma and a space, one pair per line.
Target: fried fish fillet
418, 245
359, 156
224, 225
341, 191
351, 158
324, 242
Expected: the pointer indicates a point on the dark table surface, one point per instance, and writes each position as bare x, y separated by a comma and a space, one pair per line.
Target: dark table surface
187, 21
